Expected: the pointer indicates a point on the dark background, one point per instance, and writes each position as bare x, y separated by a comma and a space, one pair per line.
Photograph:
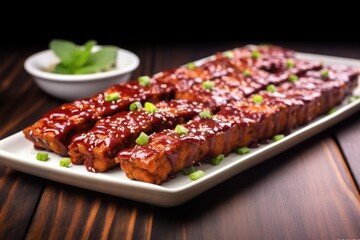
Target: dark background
179, 23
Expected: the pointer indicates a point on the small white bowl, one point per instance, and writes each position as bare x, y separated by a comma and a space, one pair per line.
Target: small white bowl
70, 87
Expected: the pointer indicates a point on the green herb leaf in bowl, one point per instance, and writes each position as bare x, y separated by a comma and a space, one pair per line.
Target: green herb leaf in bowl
80, 59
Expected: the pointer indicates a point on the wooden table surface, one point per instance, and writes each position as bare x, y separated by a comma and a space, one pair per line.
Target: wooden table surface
308, 192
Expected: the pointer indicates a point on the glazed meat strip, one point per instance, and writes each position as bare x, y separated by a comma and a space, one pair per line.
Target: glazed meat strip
243, 81
238, 124
99, 146
54, 131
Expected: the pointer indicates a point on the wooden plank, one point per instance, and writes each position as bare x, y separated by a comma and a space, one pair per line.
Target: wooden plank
348, 135
304, 193
18, 199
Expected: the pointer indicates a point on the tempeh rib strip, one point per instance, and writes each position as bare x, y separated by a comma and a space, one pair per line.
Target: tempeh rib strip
54, 131
99, 146
236, 125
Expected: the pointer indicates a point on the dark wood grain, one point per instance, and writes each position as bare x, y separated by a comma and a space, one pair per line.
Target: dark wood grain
348, 136
308, 192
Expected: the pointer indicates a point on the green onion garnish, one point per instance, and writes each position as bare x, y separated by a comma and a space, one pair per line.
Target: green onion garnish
278, 137
143, 139
206, 114
258, 99
208, 85
112, 96
181, 130
255, 54
229, 54
65, 162
353, 98
196, 175
271, 88
42, 156
293, 78
189, 170
290, 63
150, 108
135, 106
216, 161
331, 111
144, 81
246, 73
325, 73
191, 66
242, 151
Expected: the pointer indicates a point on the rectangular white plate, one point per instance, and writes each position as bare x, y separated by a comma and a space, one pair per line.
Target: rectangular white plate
17, 152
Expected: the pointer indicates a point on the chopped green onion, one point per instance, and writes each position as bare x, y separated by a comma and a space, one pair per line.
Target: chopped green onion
150, 108
271, 88
65, 162
181, 130
242, 151
290, 63
331, 111
191, 66
42, 156
206, 114
325, 73
144, 81
189, 170
293, 78
255, 54
112, 96
278, 137
217, 160
353, 98
135, 106
258, 99
246, 73
208, 85
229, 54
196, 175
143, 139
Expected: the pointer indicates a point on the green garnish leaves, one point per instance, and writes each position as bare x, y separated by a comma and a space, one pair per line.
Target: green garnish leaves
189, 170
191, 66
216, 161
278, 137
112, 96
331, 111
143, 139
150, 108
271, 88
293, 78
353, 98
242, 151
135, 106
179, 129
206, 114
324, 73
255, 54
208, 85
65, 162
42, 156
80, 59
290, 63
144, 81
196, 175
258, 99
229, 54
246, 73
